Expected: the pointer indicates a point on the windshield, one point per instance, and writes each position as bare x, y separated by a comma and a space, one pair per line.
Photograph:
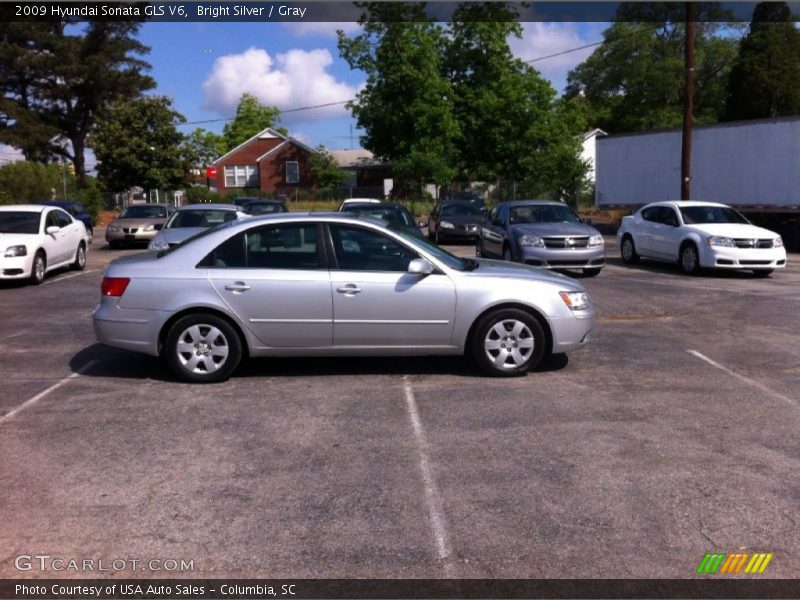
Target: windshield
200, 234
544, 213
391, 214
201, 217
143, 211
460, 210
693, 215
264, 208
19, 222
452, 261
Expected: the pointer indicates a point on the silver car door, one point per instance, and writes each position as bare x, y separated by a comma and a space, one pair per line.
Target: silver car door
377, 302
275, 281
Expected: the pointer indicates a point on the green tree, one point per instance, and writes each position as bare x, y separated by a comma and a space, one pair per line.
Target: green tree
326, 170
406, 106
765, 79
634, 80
251, 117
56, 85
137, 143
203, 147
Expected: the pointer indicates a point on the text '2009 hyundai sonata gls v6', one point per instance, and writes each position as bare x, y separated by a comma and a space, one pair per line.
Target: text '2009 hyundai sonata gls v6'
332, 285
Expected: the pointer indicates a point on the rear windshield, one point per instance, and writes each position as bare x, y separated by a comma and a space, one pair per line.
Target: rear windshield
390, 214
19, 222
143, 211
201, 217
694, 215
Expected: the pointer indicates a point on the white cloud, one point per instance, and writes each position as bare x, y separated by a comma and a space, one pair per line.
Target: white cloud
293, 79
9, 154
322, 29
544, 39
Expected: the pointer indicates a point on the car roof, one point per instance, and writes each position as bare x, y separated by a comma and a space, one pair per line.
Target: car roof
685, 203
209, 206
24, 207
533, 203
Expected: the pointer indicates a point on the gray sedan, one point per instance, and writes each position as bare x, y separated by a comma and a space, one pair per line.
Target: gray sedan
330, 284
544, 234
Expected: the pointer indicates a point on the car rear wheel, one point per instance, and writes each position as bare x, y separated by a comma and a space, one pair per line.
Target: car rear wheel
690, 262
508, 342
203, 348
762, 272
628, 251
80, 258
39, 268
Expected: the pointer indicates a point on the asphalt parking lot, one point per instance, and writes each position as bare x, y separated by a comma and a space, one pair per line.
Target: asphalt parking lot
673, 434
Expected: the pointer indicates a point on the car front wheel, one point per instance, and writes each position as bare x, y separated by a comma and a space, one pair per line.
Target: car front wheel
690, 262
203, 348
508, 342
39, 268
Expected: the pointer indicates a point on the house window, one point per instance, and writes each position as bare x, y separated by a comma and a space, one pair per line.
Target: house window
241, 176
292, 171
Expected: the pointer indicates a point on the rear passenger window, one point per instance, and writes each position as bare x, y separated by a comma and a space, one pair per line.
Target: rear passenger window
290, 246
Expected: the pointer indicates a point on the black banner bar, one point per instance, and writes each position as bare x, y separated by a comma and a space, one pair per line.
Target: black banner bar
711, 587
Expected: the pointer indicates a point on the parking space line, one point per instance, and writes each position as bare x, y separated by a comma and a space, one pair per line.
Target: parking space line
432, 497
30, 402
747, 380
70, 276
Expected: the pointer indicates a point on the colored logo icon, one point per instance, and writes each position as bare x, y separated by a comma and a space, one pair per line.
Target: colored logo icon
742, 562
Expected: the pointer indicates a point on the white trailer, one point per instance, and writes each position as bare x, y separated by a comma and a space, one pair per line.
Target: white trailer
752, 165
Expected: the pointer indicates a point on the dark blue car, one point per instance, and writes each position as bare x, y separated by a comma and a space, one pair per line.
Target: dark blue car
78, 211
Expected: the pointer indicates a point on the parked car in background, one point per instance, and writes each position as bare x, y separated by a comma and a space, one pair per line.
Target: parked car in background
190, 220
358, 201
396, 214
324, 284
138, 223
455, 222
37, 239
262, 207
542, 233
699, 235
78, 211
465, 196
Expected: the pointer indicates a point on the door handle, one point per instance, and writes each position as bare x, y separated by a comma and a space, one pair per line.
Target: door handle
237, 287
349, 289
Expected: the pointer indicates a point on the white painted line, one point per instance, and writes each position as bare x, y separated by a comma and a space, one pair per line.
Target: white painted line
40, 395
751, 382
70, 276
13, 335
432, 496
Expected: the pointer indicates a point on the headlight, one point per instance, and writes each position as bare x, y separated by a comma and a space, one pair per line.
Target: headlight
716, 240
12, 251
446, 225
158, 245
113, 228
778, 242
596, 240
149, 228
575, 300
531, 240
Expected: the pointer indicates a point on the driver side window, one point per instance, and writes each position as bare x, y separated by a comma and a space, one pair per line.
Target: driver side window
360, 249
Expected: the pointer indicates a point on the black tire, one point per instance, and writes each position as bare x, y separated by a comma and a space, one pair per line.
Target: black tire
203, 348
762, 272
689, 259
507, 253
592, 272
628, 251
80, 258
507, 342
38, 268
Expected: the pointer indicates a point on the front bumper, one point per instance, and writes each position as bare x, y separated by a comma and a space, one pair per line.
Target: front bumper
459, 233
717, 257
563, 258
573, 331
15, 267
130, 234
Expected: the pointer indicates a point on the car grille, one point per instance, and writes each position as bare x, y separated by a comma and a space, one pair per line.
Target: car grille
752, 243
754, 262
566, 242
130, 229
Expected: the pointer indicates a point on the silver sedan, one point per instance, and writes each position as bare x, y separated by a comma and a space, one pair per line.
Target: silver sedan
331, 285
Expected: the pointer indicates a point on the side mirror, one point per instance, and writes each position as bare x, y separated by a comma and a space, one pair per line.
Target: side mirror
52, 230
420, 266
587, 221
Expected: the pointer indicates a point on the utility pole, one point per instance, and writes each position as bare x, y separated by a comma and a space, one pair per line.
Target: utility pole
688, 103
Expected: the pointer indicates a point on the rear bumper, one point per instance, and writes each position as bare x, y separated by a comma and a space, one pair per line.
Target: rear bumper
130, 329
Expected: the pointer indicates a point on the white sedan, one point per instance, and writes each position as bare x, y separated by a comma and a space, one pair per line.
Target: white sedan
699, 235
37, 239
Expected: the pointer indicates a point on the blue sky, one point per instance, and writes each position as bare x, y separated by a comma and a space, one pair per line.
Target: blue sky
205, 67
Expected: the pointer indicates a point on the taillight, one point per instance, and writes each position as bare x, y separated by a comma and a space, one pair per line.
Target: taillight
114, 286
